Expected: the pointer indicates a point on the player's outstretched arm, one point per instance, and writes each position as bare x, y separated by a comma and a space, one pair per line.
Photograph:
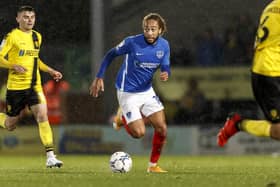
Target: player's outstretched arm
97, 85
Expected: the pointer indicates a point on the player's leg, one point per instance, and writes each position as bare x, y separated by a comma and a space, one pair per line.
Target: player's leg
40, 113
119, 121
235, 123
8, 122
229, 129
130, 104
133, 122
134, 126
137, 128
160, 131
266, 91
149, 104
154, 111
15, 103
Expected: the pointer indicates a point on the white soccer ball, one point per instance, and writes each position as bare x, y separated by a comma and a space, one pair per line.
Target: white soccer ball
120, 162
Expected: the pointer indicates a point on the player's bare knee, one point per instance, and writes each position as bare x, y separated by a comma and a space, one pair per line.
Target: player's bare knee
137, 134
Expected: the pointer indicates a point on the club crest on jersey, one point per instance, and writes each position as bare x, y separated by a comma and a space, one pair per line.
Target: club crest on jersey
159, 54
274, 114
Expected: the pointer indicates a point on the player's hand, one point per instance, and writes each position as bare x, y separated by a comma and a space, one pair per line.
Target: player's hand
96, 86
56, 75
18, 68
163, 76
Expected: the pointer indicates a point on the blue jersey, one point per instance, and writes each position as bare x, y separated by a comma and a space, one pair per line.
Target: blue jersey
140, 62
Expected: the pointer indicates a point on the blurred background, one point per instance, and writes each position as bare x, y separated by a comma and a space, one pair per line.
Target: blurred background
211, 55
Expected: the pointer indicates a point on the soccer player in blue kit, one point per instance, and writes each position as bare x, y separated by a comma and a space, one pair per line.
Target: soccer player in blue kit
143, 55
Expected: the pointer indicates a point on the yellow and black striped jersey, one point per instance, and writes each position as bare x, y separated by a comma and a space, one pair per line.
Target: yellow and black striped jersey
18, 48
267, 43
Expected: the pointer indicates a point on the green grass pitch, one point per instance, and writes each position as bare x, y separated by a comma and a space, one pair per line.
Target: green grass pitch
185, 171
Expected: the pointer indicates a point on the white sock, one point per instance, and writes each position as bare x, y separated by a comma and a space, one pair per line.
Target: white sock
50, 154
152, 164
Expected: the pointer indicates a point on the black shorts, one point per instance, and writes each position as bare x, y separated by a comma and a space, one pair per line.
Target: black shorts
17, 100
267, 94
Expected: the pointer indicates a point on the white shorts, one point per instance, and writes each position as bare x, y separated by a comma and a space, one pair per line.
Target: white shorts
134, 105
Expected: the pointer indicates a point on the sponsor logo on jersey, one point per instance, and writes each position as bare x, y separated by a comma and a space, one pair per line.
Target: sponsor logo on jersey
33, 53
139, 54
146, 64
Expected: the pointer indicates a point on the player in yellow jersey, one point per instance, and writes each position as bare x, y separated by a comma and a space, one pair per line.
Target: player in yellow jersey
265, 81
19, 53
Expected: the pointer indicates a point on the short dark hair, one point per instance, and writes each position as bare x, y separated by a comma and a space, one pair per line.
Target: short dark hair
25, 8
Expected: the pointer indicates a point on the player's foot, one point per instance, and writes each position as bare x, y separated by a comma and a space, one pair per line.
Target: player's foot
53, 162
155, 169
118, 123
229, 129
